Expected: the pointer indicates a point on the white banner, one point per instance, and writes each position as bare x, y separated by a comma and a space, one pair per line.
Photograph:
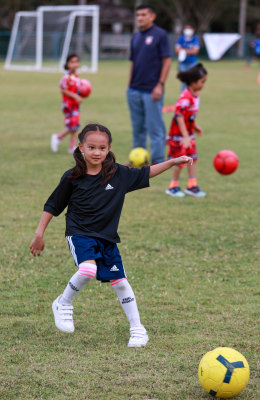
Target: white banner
218, 43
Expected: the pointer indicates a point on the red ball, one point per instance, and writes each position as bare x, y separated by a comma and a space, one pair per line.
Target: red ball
85, 88
226, 162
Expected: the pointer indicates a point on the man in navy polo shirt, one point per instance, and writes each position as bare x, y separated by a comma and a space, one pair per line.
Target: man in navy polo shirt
150, 65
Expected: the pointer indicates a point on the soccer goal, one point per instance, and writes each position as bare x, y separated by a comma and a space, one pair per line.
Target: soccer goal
41, 40
21, 53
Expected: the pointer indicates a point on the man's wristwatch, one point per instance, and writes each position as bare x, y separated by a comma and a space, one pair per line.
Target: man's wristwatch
161, 83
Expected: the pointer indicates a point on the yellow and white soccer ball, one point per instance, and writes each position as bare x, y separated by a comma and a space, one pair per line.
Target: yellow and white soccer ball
223, 372
139, 157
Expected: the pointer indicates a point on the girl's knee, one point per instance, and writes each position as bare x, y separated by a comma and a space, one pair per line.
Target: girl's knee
87, 269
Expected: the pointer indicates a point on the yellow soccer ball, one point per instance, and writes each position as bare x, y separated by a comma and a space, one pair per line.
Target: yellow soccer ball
223, 372
139, 157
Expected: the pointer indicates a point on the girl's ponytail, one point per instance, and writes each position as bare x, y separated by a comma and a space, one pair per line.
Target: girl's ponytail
108, 167
80, 167
193, 74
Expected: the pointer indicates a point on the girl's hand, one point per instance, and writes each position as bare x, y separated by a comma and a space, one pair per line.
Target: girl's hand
186, 142
37, 245
183, 160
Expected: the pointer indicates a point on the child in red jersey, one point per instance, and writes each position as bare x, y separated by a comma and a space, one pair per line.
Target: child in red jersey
71, 100
181, 139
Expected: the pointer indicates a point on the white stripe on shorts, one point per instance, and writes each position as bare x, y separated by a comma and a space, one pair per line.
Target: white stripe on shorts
124, 270
72, 249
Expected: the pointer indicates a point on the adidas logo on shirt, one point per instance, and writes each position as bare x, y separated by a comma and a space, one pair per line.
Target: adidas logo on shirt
108, 187
114, 268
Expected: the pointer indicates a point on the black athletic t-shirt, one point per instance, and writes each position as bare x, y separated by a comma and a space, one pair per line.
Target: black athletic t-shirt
94, 209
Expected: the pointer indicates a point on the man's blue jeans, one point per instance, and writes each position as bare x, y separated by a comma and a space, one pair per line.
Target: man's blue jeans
146, 117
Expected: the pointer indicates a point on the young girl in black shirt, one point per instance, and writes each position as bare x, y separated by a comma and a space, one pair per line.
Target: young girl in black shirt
94, 192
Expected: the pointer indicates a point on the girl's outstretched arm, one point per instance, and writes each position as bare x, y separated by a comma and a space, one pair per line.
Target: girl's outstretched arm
37, 245
159, 168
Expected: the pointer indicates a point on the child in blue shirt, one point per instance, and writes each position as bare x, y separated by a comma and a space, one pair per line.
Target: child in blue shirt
254, 50
187, 49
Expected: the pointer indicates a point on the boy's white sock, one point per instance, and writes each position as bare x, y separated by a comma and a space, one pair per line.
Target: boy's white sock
78, 281
127, 299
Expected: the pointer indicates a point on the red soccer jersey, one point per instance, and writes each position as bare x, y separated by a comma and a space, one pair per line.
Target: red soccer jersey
187, 106
69, 82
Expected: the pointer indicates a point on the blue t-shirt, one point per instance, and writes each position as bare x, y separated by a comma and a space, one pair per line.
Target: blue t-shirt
256, 45
189, 44
147, 50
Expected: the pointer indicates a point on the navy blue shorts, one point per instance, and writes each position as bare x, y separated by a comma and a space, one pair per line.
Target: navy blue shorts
107, 256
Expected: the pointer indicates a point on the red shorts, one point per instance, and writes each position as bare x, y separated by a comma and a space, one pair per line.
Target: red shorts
72, 117
176, 149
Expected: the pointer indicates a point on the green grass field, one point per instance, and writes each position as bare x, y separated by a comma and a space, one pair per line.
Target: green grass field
191, 262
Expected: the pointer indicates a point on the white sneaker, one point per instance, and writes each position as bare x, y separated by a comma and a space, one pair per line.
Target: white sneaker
138, 336
175, 192
195, 191
55, 142
63, 316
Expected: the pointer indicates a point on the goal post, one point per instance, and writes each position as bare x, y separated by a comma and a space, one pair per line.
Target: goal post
21, 53
48, 16
94, 39
53, 36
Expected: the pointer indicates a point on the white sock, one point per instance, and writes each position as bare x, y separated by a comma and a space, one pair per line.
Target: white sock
127, 299
78, 281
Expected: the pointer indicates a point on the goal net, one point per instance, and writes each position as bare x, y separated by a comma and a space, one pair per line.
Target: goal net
57, 31
21, 52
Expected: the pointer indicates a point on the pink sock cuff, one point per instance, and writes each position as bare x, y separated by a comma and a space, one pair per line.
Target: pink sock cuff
87, 269
116, 281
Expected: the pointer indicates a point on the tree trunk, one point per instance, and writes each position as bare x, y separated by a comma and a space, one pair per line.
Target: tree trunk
242, 27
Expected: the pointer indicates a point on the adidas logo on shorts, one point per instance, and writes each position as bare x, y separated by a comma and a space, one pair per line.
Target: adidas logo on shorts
114, 268
108, 187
